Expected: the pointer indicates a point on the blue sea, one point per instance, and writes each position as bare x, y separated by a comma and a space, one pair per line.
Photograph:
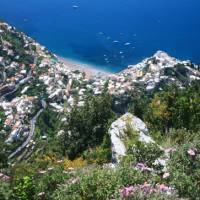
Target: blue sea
110, 34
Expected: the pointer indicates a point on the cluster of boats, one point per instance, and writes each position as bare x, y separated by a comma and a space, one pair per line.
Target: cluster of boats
119, 48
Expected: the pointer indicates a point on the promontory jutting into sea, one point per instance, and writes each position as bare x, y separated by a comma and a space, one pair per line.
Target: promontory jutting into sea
109, 34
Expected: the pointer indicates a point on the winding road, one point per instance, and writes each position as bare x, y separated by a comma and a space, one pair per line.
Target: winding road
34, 119
31, 133
23, 81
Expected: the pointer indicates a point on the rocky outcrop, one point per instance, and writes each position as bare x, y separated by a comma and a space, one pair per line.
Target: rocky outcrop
117, 134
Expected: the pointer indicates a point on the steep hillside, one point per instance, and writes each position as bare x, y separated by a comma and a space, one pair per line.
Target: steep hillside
32, 79
62, 132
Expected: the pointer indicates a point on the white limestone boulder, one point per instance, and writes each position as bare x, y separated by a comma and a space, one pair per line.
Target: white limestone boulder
117, 134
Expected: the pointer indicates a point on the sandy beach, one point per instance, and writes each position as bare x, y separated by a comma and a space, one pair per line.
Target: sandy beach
91, 71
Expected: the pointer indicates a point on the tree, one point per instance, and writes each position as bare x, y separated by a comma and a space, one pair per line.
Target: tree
186, 111
139, 103
48, 122
2, 118
86, 126
175, 108
24, 189
3, 156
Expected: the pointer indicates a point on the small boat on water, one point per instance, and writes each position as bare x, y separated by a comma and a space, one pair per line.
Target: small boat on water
127, 44
75, 7
115, 41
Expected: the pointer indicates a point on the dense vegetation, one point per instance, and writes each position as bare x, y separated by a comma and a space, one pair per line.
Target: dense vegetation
17, 42
87, 126
2, 118
60, 167
175, 108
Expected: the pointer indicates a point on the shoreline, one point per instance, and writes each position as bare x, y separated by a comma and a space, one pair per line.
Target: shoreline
90, 70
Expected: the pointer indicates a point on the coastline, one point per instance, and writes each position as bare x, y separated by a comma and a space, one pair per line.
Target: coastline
90, 70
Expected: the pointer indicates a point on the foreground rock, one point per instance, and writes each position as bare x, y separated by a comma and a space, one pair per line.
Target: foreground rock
117, 134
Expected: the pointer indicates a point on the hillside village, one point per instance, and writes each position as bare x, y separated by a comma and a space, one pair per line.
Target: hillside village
63, 87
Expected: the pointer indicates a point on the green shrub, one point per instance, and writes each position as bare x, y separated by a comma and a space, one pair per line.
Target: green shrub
131, 136
48, 123
50, 181
173, 137
23, 189
185, 170
175, 108
145, 153
2, 118
180, 136
5, 191
141, 195
101, 154
98, 155
87, 126
99, 184
140, 152
3, 156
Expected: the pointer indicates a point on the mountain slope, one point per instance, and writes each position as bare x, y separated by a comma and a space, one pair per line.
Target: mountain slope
32, 79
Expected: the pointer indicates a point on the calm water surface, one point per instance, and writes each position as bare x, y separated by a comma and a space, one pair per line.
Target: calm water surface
109, 33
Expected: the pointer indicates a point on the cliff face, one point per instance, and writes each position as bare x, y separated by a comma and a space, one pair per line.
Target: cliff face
30, 76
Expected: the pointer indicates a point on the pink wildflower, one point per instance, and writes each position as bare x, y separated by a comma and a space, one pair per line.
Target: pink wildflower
163, 188
146, 187
140, 166
166, 175
143, 167
127, 191
191, 152
3, 177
